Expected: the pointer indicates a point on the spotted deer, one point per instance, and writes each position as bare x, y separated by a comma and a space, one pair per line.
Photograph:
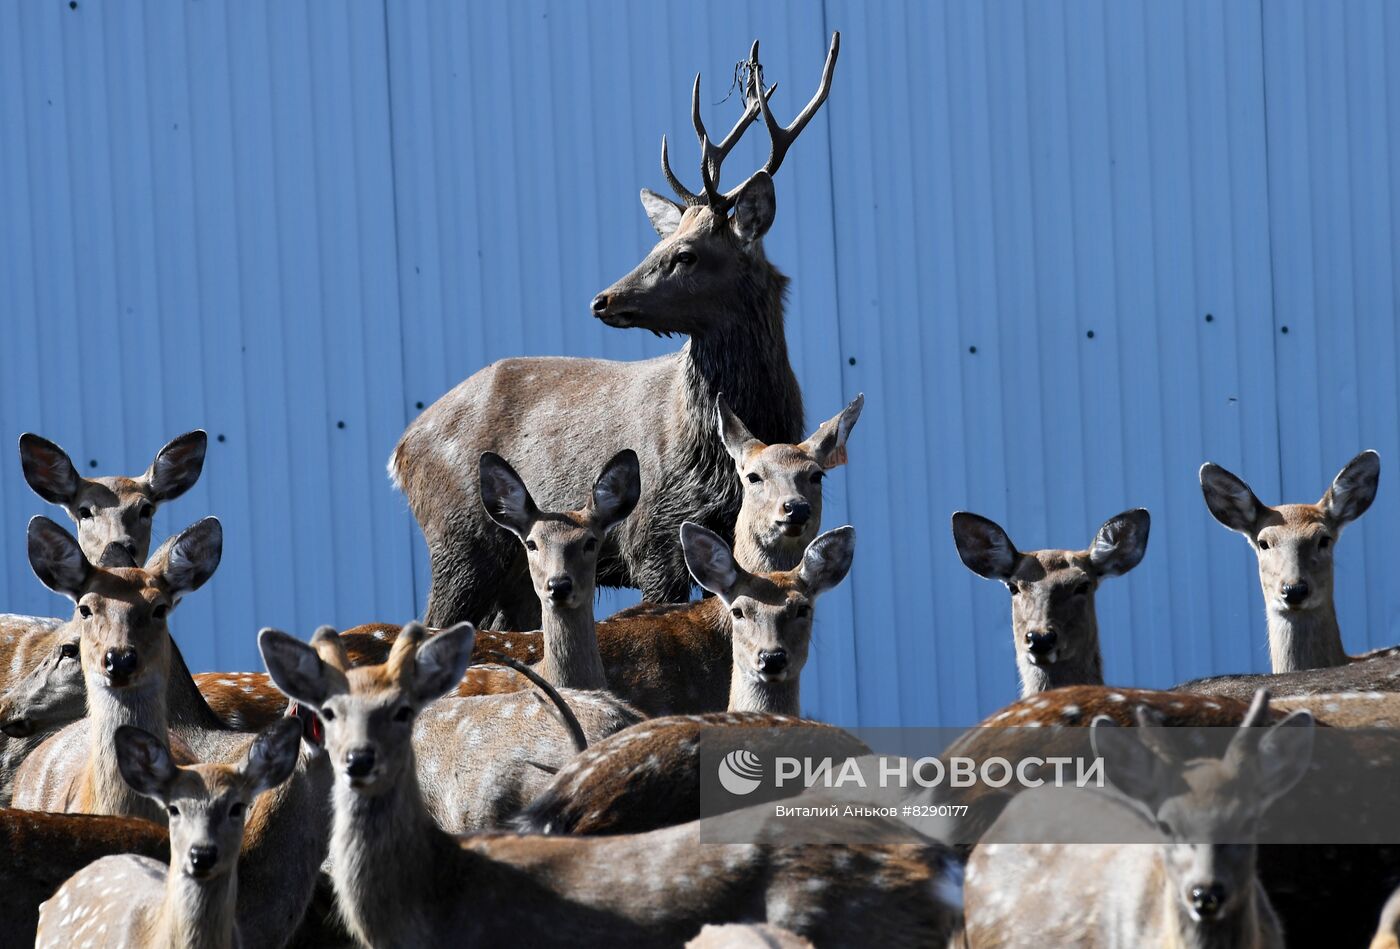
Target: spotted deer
1054, 625
1198, 887
132, 900
400, 880
561, 551
708, 279
1294, 544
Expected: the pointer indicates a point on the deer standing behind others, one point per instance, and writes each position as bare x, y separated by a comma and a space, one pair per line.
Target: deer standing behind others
400, 880
1294, 544
708, 279
135, 901
1054, 625
1197, 888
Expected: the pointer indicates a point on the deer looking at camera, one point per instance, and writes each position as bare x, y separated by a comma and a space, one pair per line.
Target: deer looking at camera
707, 278
1197, 887
1053, 622
132, 900
1294, 544
402, 881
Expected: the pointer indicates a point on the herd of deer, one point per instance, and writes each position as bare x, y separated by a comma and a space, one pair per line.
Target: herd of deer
536, 781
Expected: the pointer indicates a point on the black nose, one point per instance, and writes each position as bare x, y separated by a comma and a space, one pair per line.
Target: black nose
120, 663
203, 857
797, 511
1041, 644
600, 303
560, 588
772, 663
1207, 900
359, 762
1295, 593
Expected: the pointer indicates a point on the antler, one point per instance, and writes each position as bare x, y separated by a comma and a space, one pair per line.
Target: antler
780, 137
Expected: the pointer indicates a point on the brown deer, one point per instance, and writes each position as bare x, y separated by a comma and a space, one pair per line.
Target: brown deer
113, 514
136, 901
708, 279
561, 551
1198, 887
1379, 673
401, 881
1054, 625
1294, 544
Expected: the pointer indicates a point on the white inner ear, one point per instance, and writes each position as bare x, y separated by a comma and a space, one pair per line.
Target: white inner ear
665, 217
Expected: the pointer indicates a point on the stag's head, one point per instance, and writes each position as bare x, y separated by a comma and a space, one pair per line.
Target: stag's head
1207, 809
770, 613
113, 514
1053, 619
368, 711
1294, 542
120, 612
562, 547
706, 265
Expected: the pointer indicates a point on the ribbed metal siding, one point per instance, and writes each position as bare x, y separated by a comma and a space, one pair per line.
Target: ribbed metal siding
268, 219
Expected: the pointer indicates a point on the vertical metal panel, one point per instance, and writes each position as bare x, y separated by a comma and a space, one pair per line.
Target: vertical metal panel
269, 219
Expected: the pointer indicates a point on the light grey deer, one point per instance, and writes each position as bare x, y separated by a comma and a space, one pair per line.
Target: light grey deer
1054, 625
708, 279
1295, 544
1196, 888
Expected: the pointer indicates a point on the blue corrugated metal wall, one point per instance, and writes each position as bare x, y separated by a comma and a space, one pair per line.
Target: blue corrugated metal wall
1068, 250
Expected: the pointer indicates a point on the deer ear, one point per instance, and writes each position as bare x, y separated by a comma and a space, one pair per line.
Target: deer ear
144, 762
273, 755
297, 671
828, 443
737, 438
48, 469
1284, 754
505, 496
57, 559
828, 558
984, 547
1353, 489
709, 559
755, 208
617, 489
1120, 543
441, 662
664, 214
177, 466
1230, 500
1131, 766
189, 558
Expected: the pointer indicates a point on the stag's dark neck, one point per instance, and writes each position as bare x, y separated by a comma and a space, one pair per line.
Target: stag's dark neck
187, 705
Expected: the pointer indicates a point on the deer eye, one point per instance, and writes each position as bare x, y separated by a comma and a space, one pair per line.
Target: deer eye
737, 613
685, 258
327, 714
84, 611
591, 544
1011, 585
1082, 589
84, 513
147, 511
1263, 544
68, 651
236, 811
531, 545
404, 713
817, 478
159, 611
802, 610
172, 810
753, 477
1324, 542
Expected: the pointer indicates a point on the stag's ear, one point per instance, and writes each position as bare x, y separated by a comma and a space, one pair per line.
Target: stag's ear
273, 755
617, 489
1283, 756
189, 558
1230, 500
755, 208
709, 558
57, 559
1353, 489
177, 466
441, 662
664, 214
828, 558
144, 762
505, 496
828, 443
1120, 543
48, 469
737, 438
984, 547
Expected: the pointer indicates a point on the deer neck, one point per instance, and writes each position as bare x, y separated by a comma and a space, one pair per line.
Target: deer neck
1305, 639
747, 694
571, 657
104, 791
196, 913
1083, 670
759, 556
187, 705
